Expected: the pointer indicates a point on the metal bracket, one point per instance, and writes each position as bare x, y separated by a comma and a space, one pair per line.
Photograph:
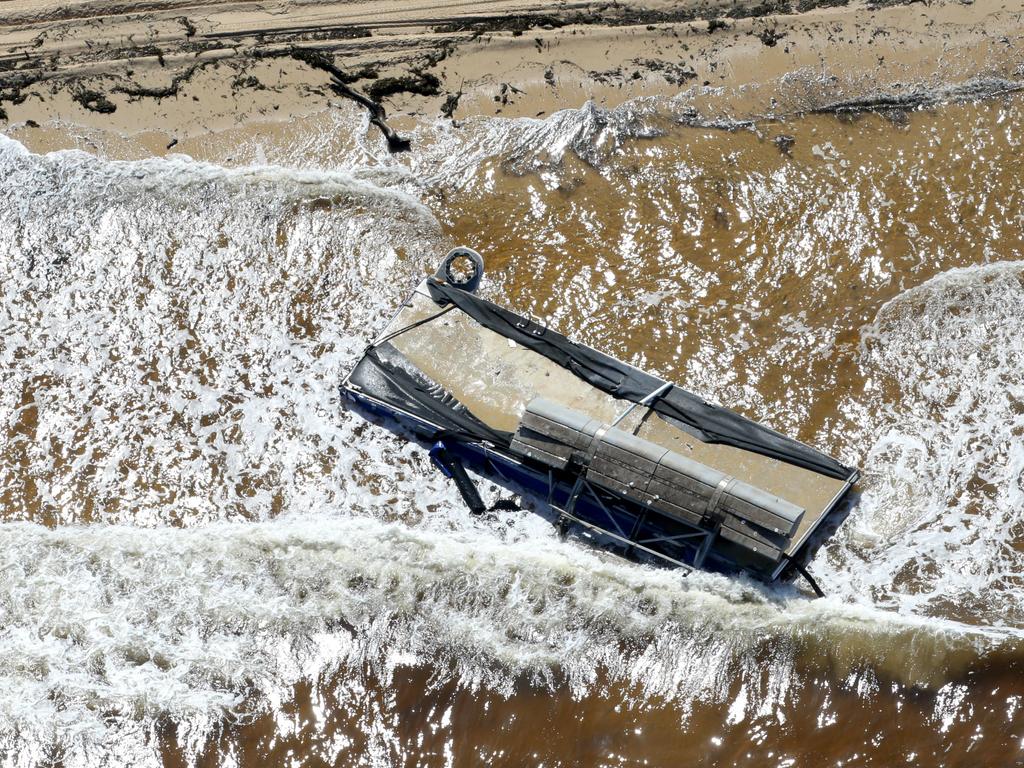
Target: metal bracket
525, 321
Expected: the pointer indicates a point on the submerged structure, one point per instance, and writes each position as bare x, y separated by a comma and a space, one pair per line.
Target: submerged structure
633, 459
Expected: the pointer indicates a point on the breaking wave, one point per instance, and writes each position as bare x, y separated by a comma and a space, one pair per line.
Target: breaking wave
110, 628
174, 333
939, 527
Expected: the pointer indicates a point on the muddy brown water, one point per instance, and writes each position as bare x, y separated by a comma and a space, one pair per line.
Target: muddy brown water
208, 561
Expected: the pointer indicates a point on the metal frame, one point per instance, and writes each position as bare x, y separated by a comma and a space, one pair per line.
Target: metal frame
628, 542
796, 546
567, 510
582, 486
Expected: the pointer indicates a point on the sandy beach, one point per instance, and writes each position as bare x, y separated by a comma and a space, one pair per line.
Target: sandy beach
168, 73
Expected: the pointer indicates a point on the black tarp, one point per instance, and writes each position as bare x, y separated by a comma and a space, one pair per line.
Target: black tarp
382, 374
710, 423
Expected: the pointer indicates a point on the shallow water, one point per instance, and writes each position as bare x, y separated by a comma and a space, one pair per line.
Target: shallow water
207, 560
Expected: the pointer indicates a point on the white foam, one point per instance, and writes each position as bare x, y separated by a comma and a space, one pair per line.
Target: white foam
180, 622
934, 532
161, 358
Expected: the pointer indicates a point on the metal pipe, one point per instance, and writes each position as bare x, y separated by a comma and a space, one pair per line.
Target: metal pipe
645, 401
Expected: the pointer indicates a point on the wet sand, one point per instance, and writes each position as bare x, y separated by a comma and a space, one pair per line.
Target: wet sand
167, 75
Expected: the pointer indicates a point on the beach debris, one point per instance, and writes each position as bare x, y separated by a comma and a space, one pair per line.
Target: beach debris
190, 28
134, 92
451, 103
769, 36
242, 80
416, 82
674, 73
378, 117
767, 8
506, 92
785, 143
94, 101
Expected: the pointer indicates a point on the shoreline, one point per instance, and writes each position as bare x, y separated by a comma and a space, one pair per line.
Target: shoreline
173, 72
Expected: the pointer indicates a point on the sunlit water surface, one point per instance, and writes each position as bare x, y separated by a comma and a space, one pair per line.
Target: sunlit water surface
207, 559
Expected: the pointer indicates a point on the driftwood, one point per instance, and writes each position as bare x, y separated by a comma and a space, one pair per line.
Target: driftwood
319, 60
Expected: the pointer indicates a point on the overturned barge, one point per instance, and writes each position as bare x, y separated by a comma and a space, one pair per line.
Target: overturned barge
633, 459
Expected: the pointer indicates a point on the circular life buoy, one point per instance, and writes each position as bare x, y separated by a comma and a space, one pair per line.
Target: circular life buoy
462, 268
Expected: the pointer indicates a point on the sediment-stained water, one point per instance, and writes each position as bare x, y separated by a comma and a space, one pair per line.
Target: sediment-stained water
206, 559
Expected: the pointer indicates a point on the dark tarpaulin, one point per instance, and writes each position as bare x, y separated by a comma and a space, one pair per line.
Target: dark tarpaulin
381, 372
710, 423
